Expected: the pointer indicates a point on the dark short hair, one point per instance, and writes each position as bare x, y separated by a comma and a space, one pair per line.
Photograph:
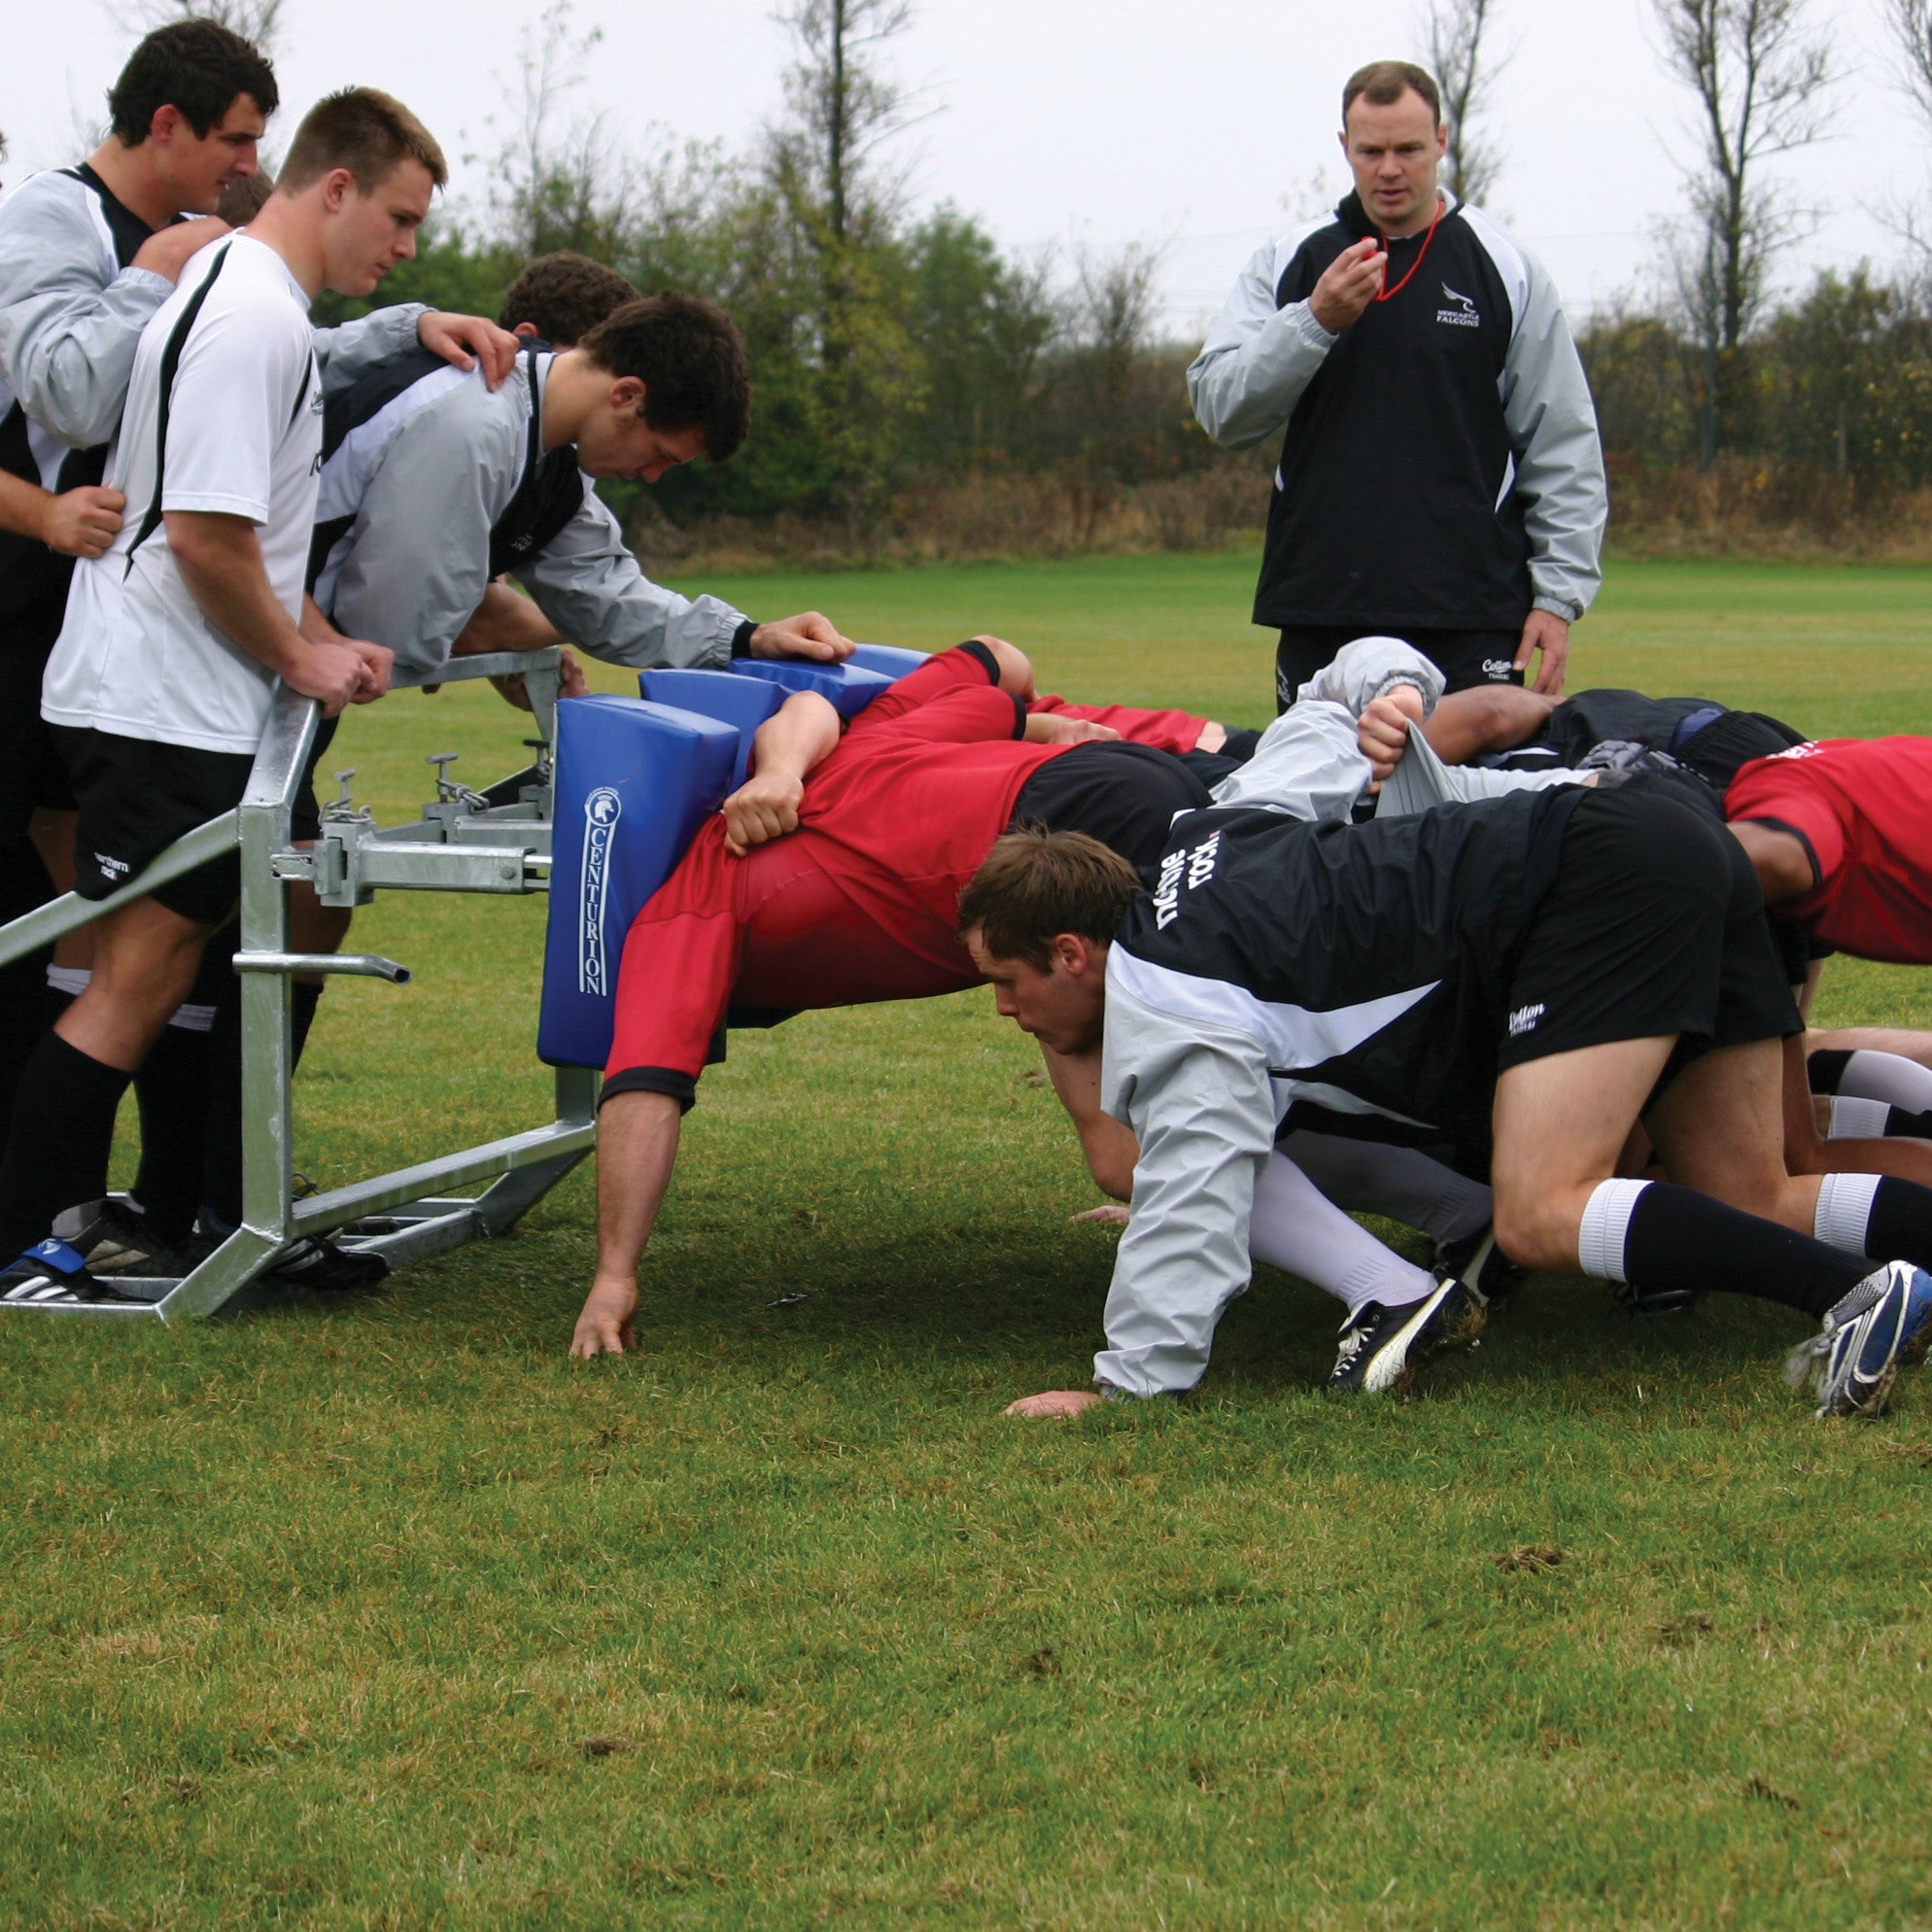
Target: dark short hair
1034, 884
195, 66
690, 358
364, 130
564, 296
1386, 82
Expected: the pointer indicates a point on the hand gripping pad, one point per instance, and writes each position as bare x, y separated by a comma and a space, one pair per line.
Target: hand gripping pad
744, 702
635, 781
888, 660
846, 690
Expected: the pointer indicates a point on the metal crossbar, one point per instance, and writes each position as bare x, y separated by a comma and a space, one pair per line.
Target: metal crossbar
496, 841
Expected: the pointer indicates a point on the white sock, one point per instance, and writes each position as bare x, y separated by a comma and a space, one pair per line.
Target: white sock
1296, 1226
1889, 1076
1400, 1183
1853, 1118
1606, 1222
1844, 1211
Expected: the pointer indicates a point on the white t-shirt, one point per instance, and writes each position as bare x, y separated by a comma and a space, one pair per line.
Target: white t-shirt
135, 656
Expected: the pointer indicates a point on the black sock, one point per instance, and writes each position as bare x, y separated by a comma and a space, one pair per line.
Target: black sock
24, 886
172, 1088
1900, 1124
63, 1134
1900, 1228
221, 1166
1825, 1068
1677, 1240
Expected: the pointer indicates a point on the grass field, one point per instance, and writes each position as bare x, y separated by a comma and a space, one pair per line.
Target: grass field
389, 1616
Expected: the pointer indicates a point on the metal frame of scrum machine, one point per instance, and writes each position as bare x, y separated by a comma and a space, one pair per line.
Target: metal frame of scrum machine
494, 841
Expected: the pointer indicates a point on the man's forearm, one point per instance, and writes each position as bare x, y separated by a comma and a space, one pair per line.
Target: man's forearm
220, 559
23, 505
796, 738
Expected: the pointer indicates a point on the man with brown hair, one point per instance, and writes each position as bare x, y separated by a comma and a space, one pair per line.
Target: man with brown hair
1525, 978
446, 486
561, 297
165, 672
1440, 477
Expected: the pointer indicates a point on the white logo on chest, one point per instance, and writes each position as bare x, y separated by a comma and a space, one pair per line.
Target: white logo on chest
1465, 314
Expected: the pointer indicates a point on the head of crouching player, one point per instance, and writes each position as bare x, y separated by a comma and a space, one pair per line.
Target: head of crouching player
1038, 917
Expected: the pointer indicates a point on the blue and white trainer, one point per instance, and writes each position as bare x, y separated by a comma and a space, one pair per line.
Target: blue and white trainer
1882, 1326
51, 1271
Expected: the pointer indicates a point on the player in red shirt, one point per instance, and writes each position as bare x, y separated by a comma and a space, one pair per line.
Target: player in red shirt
847, 891
1840, 833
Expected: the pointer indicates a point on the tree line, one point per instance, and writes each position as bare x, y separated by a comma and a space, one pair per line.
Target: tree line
918, 384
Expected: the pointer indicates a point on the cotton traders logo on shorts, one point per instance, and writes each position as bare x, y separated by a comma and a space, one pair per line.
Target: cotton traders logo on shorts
601, 811
1464, 315
1524, 1020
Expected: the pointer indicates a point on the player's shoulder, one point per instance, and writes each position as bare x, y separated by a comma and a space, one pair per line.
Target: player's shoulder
1518, 269
55, 195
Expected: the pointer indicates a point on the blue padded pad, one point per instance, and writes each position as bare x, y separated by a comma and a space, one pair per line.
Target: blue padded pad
847, 690
635, 781
888, 660
745, 703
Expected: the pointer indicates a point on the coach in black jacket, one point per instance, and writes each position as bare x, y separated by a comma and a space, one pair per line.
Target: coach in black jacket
1441, 478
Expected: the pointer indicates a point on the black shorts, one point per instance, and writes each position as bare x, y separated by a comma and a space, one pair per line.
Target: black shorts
1465, 658
1123, 794
31, 772
1654, 925
136, 798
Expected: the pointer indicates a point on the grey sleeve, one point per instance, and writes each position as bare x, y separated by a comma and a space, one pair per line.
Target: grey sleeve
590, 587
344, 353
1200, 1101
1552, 426
1307, 765
1258, 358
67, 338
418, 559
1366, 668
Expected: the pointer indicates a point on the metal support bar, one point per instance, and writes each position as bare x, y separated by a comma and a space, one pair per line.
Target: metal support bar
504, 848
368, 965
47, 923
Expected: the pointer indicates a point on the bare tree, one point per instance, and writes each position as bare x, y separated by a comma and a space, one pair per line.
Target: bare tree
1761, 80
1909, 26
560, 181
256, 21
1457, 36
843, 106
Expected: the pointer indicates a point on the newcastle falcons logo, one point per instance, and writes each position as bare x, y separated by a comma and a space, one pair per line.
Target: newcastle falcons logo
601, 811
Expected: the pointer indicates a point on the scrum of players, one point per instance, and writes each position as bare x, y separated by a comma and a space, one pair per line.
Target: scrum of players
1529, 975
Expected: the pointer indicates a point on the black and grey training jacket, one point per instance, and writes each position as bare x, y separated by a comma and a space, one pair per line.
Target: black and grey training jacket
1441, 467
1278, 975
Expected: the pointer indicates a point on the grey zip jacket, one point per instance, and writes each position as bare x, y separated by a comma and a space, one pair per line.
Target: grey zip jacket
1262, 355
71, 317
426, 481
1198, 1094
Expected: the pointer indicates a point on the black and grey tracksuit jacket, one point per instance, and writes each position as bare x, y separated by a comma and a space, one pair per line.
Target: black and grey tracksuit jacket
1282, 974
1441, 467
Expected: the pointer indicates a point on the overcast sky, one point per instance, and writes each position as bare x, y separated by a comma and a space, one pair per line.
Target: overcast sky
1195, 127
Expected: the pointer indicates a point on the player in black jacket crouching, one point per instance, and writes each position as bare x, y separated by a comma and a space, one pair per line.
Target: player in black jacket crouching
1525, 978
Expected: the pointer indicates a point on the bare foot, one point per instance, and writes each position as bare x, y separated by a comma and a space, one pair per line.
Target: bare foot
1055, 1405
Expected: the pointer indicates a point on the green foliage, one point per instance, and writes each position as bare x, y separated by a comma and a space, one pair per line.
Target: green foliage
1834, 391
384, 1614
